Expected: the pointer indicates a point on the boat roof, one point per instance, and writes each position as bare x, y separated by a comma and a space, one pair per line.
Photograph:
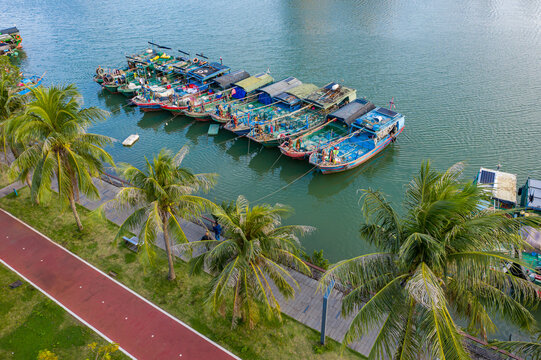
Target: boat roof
281, 86
352, 111
254, 82
377, 119
11, 30
325, 97
208, 71
225, 81
533, 197
297, 93
503, 185
532, 236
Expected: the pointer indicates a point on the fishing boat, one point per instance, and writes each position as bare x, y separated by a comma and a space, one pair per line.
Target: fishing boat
502, 187
242, 93
313, 114
264, 109
369, 135
197, 90
223, 85
337, 126
10, 41
28, 83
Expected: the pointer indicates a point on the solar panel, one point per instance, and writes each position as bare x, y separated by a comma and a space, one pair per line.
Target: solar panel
387, 112
487, 177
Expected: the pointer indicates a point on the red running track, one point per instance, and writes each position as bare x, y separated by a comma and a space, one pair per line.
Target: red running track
142, 330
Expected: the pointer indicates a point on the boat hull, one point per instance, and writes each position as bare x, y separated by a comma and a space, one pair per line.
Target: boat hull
298, 155
336, 168
219, 119
204, 116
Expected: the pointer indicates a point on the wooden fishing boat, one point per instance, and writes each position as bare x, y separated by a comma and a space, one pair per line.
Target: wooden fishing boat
10, 41
223, 85
197, 90
369, 135
337, 126
242, 91
318, 105
28, 83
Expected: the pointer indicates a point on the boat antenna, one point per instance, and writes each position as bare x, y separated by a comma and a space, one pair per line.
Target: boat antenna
201, 55
391, 104
160, 46
184, 52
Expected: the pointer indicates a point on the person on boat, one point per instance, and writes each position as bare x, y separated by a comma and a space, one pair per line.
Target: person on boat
298, 144
331, 155
335, 155
229, 110
323, 155
235, 121
189, 105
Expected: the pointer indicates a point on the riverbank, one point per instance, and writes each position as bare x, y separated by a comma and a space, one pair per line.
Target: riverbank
183, 298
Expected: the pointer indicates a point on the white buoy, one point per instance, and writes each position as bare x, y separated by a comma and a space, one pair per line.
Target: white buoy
130, 140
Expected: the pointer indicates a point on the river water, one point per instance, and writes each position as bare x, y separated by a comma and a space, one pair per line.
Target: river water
465, 74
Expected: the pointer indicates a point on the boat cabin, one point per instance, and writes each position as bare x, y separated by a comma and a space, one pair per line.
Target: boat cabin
268, 93
225, 82
331, 96
208, 71
250, 84
9, 31
352, 111
530, 195
291, 99
503, 187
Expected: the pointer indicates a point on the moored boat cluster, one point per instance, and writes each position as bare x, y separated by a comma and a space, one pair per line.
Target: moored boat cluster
326, 125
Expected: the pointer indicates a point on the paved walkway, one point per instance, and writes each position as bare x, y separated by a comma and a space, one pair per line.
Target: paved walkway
143, 330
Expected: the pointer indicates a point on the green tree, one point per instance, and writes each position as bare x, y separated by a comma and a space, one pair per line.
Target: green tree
11, 106
444, 256
254, 249
103, 352
528, 349
54, 126
161, 195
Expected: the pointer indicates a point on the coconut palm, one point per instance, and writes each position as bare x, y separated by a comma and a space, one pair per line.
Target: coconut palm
54, 127
443, 259
11, 106
252, 254
161, 195
527, 349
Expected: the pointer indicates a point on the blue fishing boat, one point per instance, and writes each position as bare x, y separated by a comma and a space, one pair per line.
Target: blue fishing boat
242, 93
28, 83
337, 126
369, 135
313, 113
263, 109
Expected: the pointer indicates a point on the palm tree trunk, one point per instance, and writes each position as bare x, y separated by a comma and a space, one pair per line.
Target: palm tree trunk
75, 214
171, 275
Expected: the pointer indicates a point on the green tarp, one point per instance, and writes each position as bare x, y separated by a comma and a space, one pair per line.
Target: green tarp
254, 82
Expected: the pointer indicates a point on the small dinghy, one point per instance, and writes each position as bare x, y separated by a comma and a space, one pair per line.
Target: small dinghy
130, 140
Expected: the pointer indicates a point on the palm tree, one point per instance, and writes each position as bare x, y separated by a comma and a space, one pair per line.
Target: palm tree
253, 251
442, 259
11, 105
527, 349
161, 195
54, 126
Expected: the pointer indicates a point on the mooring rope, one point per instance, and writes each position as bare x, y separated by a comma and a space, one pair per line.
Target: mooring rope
274, 163
120, 108
286, 185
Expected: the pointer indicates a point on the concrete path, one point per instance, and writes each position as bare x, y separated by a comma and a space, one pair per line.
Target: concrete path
142, 330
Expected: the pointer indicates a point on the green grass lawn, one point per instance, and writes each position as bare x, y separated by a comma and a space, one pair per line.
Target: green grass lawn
184, 297
4, 176
31, 322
